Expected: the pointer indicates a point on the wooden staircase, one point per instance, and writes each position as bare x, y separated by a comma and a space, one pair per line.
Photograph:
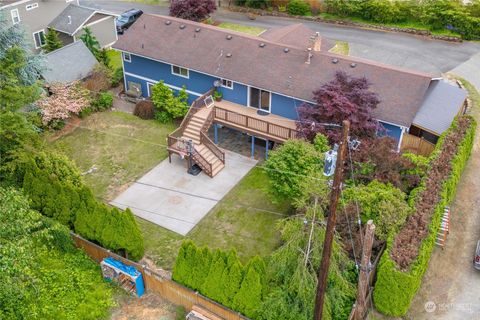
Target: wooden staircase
194, 127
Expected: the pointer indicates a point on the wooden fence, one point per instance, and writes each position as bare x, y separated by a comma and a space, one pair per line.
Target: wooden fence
416, 145
154, 282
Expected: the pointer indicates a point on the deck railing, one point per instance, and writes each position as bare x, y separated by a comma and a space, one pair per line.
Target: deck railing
229, 117
205, 140
202, 162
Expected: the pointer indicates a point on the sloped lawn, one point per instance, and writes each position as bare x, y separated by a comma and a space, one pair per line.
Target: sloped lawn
114, 149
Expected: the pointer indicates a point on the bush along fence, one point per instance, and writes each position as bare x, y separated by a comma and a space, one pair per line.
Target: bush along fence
166, 288
406, 257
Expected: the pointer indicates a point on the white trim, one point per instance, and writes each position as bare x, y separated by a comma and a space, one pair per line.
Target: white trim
109, 45
115, 28
149, 94
124, 77
129, 57
393, 124
82, 25
179, 74
226, 87
34, 40
18, 16
401, 138
259, 108
99, 20
155, 81
32, 6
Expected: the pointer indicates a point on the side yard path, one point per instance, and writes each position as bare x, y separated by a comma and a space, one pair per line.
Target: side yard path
451, 286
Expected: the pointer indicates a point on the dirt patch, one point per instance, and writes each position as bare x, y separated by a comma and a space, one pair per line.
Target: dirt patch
71, 125
407, 242
148, 307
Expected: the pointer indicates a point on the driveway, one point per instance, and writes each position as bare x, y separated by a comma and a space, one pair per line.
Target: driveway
399, 49
172, 198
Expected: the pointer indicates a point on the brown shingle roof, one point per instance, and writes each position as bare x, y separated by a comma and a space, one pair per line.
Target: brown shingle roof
401, 92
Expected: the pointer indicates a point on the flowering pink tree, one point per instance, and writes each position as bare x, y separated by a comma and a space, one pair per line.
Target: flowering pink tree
195, 10
343, 98
66, 99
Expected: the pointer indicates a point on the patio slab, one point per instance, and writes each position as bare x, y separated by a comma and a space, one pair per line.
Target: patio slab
170, 197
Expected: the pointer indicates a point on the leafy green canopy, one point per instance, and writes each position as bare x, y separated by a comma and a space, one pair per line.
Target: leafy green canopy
383, 203
43, 275
168, 106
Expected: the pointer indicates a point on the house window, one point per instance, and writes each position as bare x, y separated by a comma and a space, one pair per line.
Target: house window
127, 57
31, 6
15, 16
39, 38
227, 84
259, 99
149, 88
179, 71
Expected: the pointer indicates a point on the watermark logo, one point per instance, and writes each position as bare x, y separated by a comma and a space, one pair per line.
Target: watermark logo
430, 306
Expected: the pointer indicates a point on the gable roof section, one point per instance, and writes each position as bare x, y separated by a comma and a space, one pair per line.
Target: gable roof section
79, 15
442, 103
61, 67
401, 92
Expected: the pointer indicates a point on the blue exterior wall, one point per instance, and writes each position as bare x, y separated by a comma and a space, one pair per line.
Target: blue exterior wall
147, 70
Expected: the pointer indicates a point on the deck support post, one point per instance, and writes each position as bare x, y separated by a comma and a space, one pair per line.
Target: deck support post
266, 149
215, 133
253, 147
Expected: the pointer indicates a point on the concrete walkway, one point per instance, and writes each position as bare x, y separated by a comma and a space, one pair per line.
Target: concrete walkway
172, 198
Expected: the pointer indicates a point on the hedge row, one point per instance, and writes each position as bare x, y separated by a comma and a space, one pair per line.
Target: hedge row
395, 289
56, 190
221, 277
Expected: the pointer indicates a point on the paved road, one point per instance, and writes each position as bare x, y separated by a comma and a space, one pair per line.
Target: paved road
398, 49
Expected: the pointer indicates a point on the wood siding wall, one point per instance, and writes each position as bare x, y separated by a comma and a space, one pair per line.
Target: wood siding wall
416, 145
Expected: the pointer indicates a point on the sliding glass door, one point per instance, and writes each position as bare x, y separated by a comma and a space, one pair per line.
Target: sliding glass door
260, 99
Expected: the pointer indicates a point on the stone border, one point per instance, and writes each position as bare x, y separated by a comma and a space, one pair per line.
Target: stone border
419, 32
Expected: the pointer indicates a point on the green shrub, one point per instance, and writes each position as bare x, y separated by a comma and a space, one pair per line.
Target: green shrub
298, 8
258, 4
103, 101
168, 106
116, 77
395, 289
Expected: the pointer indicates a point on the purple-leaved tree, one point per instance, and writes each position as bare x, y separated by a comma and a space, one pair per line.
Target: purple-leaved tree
195, 10
343, 98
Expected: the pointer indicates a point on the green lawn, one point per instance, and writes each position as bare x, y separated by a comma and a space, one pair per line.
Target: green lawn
121, 146
341, 47
241, 28
115, 59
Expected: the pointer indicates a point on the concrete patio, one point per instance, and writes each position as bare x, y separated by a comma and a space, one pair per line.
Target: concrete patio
172, 198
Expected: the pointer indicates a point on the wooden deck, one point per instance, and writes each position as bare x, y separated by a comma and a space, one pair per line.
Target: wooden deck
271, 127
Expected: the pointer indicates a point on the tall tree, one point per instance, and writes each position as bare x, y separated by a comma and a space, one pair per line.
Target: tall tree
195, 10
90, 41
213, 287
52, 41
343, 98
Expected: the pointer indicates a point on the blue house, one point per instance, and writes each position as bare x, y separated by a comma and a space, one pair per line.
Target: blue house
264, 79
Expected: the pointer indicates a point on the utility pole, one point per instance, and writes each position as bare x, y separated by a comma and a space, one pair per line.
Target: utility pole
331, 220
363, 279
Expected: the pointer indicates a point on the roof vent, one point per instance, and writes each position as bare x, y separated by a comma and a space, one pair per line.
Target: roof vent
143, 46
69, 19
197, 29
144, 26
229, 55
261, 45
168, 22
353, 65
286, 50
229, 37
335, 61
182, 26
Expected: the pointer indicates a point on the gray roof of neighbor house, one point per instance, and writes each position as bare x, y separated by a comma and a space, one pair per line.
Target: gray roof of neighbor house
442, 103
275, 67
70, 63
71, 19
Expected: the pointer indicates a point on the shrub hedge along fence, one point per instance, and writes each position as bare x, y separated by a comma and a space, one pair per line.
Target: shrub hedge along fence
396, 288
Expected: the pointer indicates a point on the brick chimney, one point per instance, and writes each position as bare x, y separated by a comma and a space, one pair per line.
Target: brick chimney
317, 42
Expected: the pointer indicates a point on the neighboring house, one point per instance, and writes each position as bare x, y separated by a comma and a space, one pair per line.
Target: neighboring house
274, 73
35, 16
71, 21
60, 67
